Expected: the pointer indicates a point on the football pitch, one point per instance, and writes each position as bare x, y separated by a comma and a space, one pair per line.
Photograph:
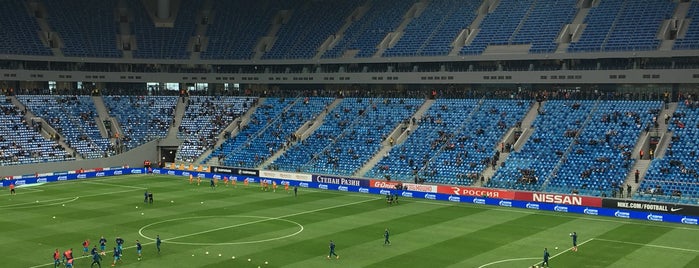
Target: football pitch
247, 227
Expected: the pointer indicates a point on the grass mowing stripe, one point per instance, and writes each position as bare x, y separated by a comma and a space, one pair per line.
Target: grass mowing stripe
286, 216
462, 247
349, 234
693, 263
601, 254
647, 245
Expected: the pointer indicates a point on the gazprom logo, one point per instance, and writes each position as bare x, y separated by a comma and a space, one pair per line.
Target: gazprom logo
621, 214
170, 172
323, 186
454, 199
591, 211
652, 217
430, 196
686, 220
532, 206
118, 172
364, 190
384, 192
62, 178
479, 201
560, 208
156, 171
343, 188
41, 180
504, 203
99, 174
82, 176
407, 194
135, 171
303, 184
185, 173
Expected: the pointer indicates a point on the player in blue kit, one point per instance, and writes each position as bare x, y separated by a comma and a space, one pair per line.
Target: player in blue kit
157, 243
575, 241
138, 249
103, 245
332, 250
120, 245
546, 258
385, 236
117, 256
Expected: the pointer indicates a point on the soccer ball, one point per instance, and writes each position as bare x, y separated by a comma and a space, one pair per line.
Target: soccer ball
219, 254
249, 260
266, 263
571, 234
207, 253
556, 248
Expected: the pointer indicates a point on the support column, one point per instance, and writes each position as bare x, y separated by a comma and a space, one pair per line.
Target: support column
163, 9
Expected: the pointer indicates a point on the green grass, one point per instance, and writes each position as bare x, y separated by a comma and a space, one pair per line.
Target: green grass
294, 232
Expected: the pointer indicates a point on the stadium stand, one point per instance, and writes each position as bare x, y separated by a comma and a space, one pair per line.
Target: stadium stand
271, 129
142, 118
623, 25
673, 178
499, 26
21, 143
85, 36
252, 19
204, 119
74, 118
20, 31
352, 135
691, 37
306, 31
162, 42
432, 33
365, 34
599, 162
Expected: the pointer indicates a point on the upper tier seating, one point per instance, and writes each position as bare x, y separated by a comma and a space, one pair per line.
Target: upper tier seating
20, 30
432, 33
306, 30
365, 34
161, 42
623, 25
21, 143
142, 118
674, 178
691, 38
74, 118
85, 35
204, 120
251, 20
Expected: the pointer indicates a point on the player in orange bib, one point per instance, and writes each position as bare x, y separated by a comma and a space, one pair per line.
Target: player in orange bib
225, 180
246, 182
191, 179
198, 181
274, 186
234, 181
286, 187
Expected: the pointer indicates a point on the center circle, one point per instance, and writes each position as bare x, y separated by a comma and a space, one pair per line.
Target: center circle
203, 221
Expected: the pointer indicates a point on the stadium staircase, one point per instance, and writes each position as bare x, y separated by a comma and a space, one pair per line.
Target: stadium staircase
332, 40
199, 41
570, 146
46, 128
303, 132
392, 38
571, 32
675, 27
233, 129
399, 134
48, 36
177, 116
467, 35
509, 138
102, 115
642, 165
266, 42
125, 38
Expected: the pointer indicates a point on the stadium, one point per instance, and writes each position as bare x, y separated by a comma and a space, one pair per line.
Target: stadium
477, 133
